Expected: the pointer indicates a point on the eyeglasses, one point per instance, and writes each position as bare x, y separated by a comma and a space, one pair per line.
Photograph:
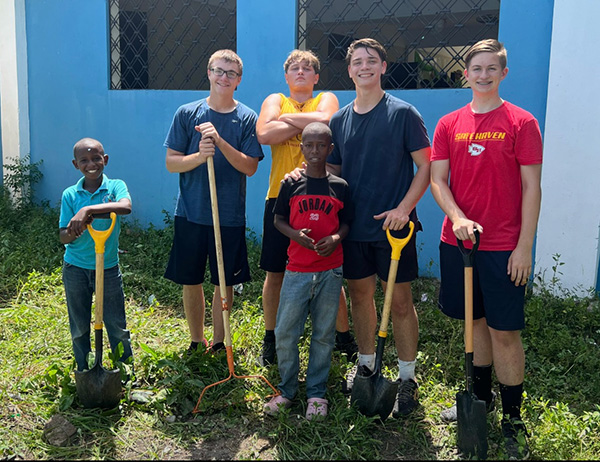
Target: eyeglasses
219, 72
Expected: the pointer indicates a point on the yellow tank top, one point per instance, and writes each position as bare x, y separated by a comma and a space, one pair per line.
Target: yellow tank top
286, 156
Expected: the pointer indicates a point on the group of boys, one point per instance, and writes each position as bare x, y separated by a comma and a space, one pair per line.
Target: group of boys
353, 173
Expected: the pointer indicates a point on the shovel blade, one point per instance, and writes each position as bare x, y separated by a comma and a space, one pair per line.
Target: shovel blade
471, 425
374, 395
98, 387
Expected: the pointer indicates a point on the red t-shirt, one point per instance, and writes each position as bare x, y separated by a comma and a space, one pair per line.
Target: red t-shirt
485, 153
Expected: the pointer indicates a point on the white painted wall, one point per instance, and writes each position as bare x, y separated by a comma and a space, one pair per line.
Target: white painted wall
570, 216
13, 81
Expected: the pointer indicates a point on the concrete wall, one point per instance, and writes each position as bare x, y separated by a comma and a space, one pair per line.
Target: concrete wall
570, 216
67, 50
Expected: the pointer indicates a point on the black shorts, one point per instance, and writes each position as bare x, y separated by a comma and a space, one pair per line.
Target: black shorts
273, 256
363, 259
194, 243
495, 296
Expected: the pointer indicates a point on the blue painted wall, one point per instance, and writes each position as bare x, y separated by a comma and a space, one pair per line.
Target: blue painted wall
69, 98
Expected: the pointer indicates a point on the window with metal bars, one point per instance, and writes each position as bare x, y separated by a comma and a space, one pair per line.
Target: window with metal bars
425, 39
166, 44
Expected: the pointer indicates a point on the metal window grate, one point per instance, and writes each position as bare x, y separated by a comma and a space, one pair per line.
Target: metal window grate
425, 39
165, 44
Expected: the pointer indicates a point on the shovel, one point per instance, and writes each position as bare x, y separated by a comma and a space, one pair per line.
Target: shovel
223, 292
374, 394
471, 412
97, 387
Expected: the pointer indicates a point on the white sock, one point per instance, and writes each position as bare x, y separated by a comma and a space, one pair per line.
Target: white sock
366, 360
406, 369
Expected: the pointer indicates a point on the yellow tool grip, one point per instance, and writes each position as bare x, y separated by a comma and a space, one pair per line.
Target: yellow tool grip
100, 237
399, 243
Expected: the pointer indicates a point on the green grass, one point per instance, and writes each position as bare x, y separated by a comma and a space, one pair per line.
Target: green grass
37, 381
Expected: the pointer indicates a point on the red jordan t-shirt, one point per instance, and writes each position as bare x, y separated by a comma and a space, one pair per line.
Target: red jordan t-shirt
318, 204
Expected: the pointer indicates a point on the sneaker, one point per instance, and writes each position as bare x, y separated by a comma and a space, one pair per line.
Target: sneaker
317, 408
451, 414
406, 399
268, 354
276, 404
215, 348
349, 348
361, 370
194, 346
515, 439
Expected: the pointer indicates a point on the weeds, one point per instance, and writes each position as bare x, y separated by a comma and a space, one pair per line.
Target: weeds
155, 421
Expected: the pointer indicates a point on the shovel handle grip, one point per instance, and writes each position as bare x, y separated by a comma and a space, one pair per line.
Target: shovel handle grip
468, 254
100, 237
399, 243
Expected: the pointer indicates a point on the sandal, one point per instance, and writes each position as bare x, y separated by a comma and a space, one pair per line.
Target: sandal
276, 404
317, 407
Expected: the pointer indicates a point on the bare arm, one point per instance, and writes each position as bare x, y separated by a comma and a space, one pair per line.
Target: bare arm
240, 161
270, 130
396, 218
461, 225
86, 215
328, 105
519, 263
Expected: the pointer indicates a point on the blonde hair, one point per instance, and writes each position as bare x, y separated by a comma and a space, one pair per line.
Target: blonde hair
487, 46
297, 56
229, 56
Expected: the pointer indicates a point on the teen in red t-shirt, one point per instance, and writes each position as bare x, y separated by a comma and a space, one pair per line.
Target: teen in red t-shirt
485, 175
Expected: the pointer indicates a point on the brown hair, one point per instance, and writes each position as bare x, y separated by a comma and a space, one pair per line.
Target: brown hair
366, 43
487, 46
297, 56
229, 56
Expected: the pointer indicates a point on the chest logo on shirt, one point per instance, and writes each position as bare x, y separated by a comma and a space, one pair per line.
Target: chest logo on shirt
108, 198
475, 149
306, 205
314, 217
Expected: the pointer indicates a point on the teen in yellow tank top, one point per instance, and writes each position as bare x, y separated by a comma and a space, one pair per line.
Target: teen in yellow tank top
286, 156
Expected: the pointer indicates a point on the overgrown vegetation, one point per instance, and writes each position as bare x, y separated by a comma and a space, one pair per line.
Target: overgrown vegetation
561, 341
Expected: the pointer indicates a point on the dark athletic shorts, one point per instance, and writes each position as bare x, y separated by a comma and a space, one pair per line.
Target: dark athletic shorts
194, 243
273, 256
363, 259
495, 296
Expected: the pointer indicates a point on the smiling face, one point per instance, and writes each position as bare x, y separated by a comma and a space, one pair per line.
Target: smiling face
90, 160
316, 146
485, 72
223, 84
366, 68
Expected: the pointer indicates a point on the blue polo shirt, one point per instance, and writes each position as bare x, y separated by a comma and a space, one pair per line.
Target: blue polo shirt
82, 252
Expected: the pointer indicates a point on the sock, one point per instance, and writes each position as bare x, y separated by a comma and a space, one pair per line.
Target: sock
367, 360
482, 382
194, 345
343, 337
511, 401
406, 369
269, 336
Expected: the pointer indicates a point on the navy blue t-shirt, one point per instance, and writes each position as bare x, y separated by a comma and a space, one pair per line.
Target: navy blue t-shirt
238, 128
374, 152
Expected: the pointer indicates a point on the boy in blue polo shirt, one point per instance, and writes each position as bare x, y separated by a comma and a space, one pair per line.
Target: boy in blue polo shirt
93, 196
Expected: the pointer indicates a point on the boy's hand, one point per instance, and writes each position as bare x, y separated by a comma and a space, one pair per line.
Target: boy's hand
206, 148
79, 222
327, 245
295, 174
208, 130
304, 240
